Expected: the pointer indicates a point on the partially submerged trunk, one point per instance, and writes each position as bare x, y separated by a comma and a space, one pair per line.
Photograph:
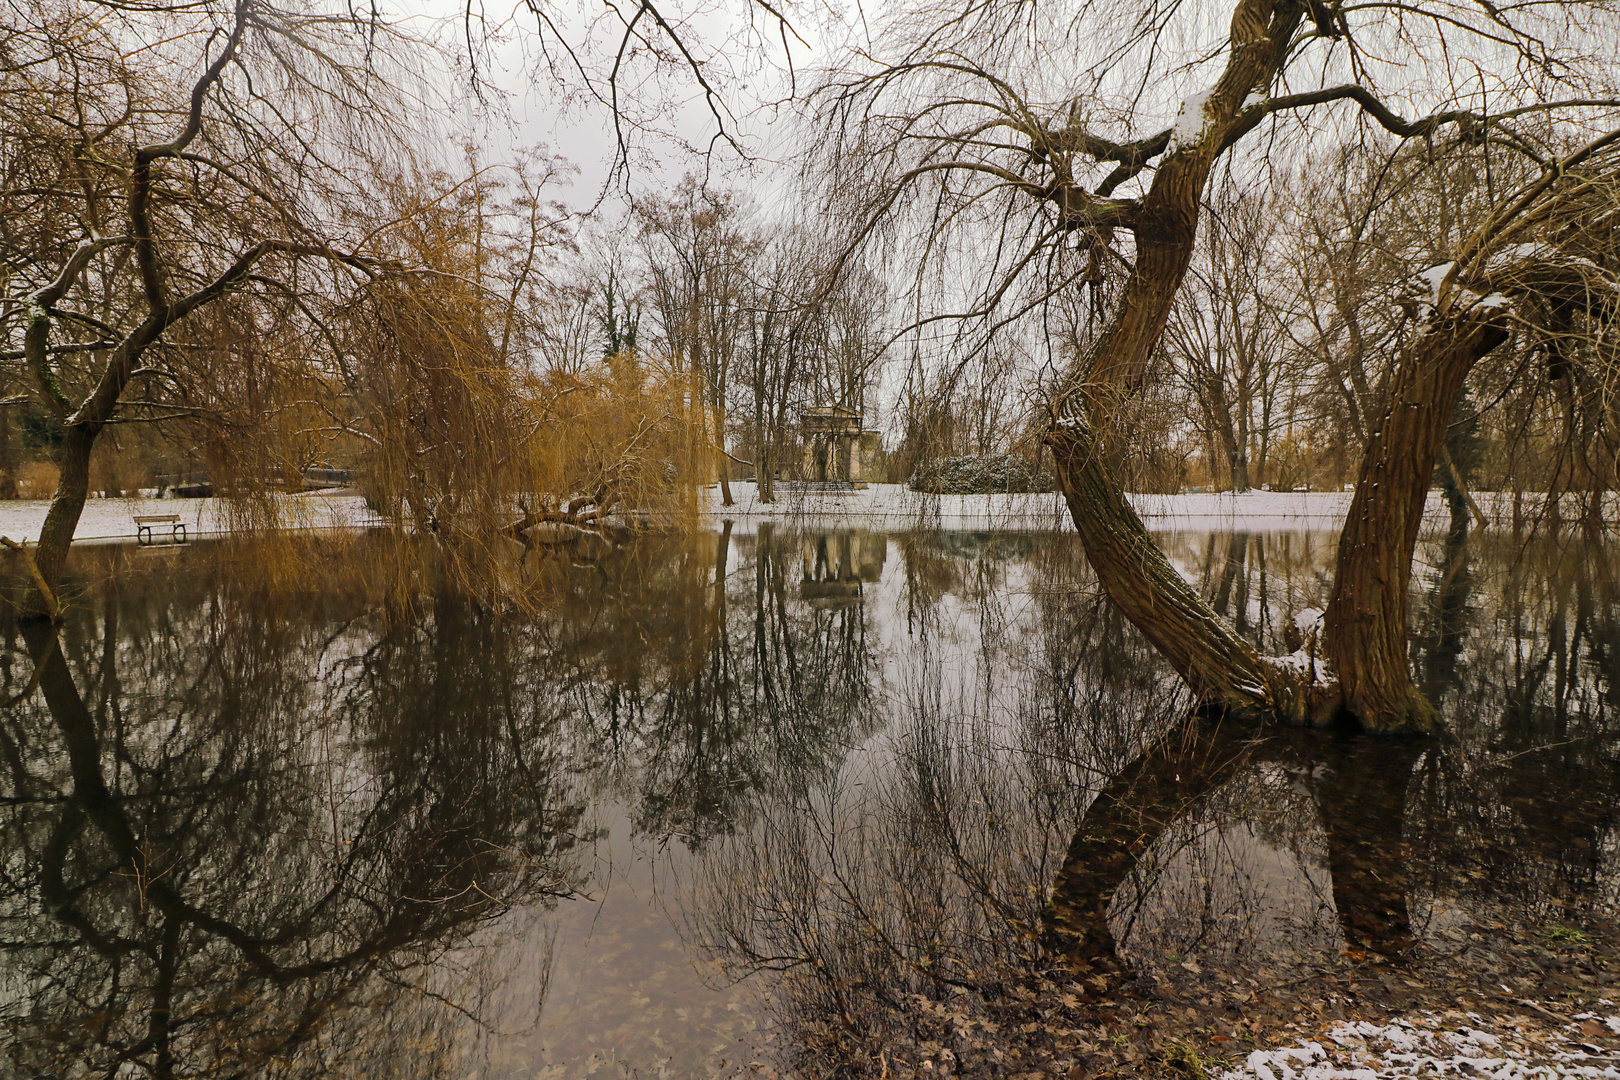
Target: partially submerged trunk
62, 519
1366, 627
1458, 497
1366, 623
1223, 670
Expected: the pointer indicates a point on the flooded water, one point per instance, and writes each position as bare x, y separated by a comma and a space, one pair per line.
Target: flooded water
752, 802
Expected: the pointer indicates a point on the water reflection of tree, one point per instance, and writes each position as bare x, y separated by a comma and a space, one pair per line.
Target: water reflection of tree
708, 678
214, 857
248, 818
1087, 833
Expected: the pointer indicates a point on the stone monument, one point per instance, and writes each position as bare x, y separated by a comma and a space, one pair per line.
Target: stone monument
837, 450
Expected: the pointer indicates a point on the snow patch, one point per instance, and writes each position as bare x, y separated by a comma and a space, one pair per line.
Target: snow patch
1433, 278
1428, 284
1519, 253
1400, 1050
1191, 121
1298, 663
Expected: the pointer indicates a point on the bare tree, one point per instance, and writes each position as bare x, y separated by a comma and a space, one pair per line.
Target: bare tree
1227, 332
812, 337
978, 128
143, 205
699, 245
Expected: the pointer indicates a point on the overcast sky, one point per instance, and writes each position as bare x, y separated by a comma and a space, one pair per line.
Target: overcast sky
532, 105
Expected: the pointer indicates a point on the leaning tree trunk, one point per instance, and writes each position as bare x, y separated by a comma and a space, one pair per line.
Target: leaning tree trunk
1366, 624
62, 519
1223, 670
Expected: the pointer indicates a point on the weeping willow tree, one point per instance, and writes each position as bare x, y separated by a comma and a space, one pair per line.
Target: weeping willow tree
1030, 151
222, 221
464, 429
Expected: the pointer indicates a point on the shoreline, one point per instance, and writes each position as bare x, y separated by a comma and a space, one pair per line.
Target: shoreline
890, 507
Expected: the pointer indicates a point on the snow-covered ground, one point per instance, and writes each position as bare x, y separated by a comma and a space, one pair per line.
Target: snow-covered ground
1439, 1046
113, 520
881, 506
894, 506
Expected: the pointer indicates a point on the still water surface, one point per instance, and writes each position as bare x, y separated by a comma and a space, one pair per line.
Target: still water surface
732, 798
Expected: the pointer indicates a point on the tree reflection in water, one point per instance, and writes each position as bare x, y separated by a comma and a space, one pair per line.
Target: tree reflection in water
266, 828
236, 831
261, 829
1062, 835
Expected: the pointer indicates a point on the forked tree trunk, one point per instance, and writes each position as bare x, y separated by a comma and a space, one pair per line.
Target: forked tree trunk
1366, 624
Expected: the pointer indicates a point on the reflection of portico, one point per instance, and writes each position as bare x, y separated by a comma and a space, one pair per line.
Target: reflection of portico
837, 565
836, 450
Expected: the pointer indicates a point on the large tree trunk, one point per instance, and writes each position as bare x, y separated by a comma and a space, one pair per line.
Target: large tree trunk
1366, 623
62, 519
1222, 669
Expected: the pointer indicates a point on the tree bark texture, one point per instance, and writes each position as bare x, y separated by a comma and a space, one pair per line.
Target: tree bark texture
1223, 670
67, 504
1366, 622
1366, 628
1166, 225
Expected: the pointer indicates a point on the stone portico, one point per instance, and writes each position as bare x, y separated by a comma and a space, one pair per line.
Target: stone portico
837, 450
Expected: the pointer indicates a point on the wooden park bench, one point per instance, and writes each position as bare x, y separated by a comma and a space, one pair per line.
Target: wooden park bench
145, 522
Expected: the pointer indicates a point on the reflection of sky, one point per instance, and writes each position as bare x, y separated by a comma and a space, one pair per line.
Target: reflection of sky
622, 985
968, 639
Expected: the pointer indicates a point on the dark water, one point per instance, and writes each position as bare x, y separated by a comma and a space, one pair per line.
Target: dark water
741, 798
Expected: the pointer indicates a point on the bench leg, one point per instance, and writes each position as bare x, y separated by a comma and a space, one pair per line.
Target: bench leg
179, 532
143, 535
